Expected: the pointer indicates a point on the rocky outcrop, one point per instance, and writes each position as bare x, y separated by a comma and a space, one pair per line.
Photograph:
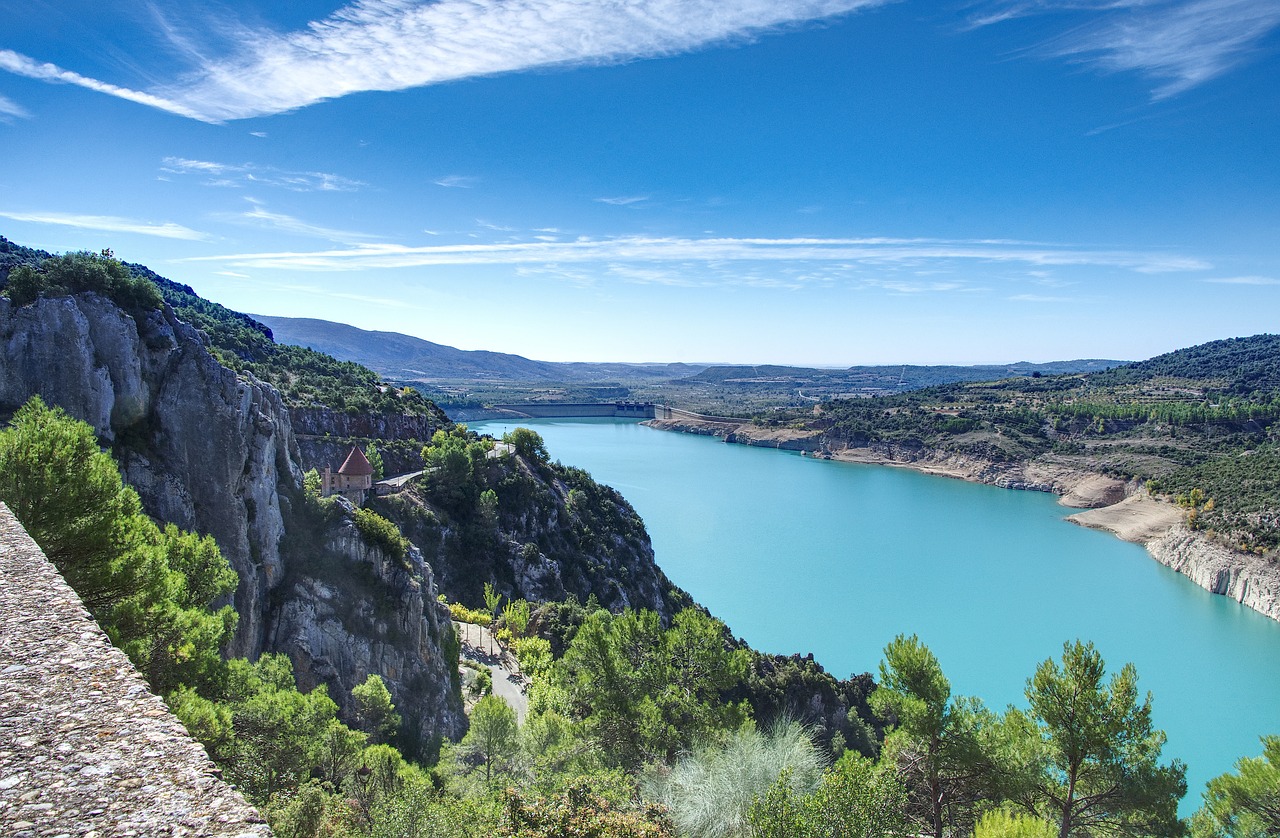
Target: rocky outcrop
354, 610
205, 450
1250, 580
323, 421
216, 453
556, 533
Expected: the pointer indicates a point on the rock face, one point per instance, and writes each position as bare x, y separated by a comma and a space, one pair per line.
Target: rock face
322, 421
205, 450
215, 453
356, 610
1249, 580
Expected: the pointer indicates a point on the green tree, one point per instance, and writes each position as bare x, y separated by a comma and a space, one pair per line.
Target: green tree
279, 731
999, 823
375, 713
1092, 762
1245, 804
492, 737
374, 456
528, 444
936, 740
859, 799
646, 693
151, 590
580, 811
74, 273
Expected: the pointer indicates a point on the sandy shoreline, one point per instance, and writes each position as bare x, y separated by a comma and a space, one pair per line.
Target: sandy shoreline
1137, 518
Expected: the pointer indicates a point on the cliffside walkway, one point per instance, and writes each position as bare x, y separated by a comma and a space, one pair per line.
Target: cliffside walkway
85, 748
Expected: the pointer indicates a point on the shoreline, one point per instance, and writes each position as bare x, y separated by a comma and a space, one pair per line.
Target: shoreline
1107, 503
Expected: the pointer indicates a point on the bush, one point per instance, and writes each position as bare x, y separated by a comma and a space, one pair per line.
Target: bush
379, 532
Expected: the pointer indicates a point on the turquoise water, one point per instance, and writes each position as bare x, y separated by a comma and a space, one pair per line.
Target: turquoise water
803, 555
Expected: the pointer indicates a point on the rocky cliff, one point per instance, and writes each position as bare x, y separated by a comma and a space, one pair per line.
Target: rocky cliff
555, 532
1249, 580
204, 449
216, 453
353, 609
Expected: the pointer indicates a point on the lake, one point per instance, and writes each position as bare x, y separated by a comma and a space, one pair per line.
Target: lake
804, 555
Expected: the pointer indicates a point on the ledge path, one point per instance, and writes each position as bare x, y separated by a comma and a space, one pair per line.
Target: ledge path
85, 748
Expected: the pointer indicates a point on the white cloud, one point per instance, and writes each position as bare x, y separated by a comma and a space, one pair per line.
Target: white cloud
240, 174
108, 223
1245, 280
624, 200
23, 66
10, 109
260, 216
457, 182
398, 44
1181, 43
846, 253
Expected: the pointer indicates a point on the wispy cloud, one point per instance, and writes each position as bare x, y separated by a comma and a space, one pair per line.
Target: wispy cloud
399, 44
1180, 43
457, 182
30, 68
1245, 280
624, 200
848, 253
109, 224
1039, 298
249, 174
259, 216
10, 109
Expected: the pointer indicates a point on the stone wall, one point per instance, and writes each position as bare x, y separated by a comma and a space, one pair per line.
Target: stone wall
85, 748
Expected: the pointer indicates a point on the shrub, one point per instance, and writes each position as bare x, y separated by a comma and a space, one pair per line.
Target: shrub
379, 532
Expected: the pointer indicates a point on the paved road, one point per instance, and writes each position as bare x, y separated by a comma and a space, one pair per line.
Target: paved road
479, 645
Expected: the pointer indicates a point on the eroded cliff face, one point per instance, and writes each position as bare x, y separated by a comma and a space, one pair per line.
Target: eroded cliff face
1250, 580
354, 609
216, 454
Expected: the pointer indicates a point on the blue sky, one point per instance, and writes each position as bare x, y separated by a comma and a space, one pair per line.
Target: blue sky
824, 182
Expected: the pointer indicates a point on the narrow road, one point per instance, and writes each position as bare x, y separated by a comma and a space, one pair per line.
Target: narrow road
509, 683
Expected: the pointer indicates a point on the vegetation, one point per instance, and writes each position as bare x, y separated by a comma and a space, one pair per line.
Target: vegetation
1204, 418
381, 533
1245, 804
152, 590
634, 728
75, 273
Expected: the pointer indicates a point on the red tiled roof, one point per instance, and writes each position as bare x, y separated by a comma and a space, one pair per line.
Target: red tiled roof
356, 464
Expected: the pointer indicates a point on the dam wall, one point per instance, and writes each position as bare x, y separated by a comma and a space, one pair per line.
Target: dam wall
575, 410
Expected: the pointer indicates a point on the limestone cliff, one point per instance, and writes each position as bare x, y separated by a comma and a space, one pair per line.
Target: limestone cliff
216, 453
204, 449
1249, 580
353, 609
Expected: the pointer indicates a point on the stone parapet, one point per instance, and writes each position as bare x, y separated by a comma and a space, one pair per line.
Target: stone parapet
85, 748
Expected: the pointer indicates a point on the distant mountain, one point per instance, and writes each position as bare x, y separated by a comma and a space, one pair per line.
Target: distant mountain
414, 359
892, 378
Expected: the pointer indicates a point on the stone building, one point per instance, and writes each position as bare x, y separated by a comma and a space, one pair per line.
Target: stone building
352, 480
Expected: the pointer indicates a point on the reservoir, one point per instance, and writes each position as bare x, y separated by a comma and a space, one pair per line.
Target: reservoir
804, 555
